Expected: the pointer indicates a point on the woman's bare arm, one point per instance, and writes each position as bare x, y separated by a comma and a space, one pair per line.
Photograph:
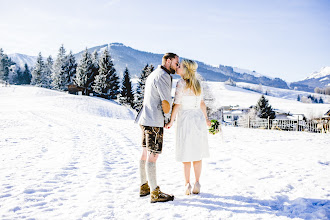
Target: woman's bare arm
203, 107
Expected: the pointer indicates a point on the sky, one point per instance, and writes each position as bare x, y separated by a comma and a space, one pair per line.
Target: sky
289, 39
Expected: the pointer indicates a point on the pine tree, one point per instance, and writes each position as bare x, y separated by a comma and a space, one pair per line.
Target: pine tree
71, 68
264, 110
321, 100
38, 77
126, 94
102, 82
84, 70
26, 77
48, 71
95, 59
19, 76
113, 80
59, 74
95, 70
141, 86
4, 66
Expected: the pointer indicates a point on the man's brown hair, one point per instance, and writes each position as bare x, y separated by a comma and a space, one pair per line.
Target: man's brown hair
168, 56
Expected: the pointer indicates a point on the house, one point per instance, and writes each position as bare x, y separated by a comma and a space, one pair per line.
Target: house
281, 115
327, 115
74, 89
231, 114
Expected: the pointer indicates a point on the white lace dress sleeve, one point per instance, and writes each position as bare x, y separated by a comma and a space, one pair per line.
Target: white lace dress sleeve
179, 92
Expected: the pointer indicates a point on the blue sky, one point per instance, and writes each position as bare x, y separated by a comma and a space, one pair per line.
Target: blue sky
279, 38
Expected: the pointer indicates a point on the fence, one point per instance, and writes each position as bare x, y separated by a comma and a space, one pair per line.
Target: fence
316, 126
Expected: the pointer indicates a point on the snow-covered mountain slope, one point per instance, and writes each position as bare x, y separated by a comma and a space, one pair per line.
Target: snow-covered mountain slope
254, 73
319, 79
22, 59
76, 157
135, 60
281, 99
325, 71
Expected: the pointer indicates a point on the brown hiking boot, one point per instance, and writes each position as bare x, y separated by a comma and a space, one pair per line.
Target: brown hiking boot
144, 190
159, 196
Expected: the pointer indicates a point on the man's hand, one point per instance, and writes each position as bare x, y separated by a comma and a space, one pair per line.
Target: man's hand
169, 125
166, 106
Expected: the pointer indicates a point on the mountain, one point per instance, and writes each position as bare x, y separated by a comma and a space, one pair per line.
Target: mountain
319, 79
22, 59
124, 56
135, 60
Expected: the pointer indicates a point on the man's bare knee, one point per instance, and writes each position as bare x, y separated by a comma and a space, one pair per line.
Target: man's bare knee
152, 157
144, 154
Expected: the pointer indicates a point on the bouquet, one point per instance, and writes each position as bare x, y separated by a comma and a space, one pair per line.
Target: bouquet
215, 127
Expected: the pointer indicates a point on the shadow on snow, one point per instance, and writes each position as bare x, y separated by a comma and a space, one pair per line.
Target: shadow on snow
305, 208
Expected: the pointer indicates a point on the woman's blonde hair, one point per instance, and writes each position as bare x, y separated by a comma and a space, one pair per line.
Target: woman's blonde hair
190, 77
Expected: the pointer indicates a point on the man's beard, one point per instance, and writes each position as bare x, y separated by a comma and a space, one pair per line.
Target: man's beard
172, 70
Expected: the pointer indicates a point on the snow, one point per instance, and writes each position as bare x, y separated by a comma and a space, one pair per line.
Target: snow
325, 71
76, 157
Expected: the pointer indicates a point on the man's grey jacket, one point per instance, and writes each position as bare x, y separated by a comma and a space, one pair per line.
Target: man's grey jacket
157, 89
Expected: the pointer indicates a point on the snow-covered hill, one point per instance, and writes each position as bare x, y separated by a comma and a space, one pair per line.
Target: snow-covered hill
282, 93
281, 99
76, 157
55, 100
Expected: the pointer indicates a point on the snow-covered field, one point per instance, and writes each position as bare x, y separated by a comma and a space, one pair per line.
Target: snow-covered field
73, 157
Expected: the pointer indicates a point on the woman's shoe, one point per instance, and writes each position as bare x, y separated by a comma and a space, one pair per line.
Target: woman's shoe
187, 190
197, 188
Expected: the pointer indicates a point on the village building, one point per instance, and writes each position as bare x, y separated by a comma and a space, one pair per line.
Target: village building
231, 114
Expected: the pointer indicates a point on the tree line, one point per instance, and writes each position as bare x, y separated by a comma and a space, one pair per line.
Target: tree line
309, 99
325, 91
95, 74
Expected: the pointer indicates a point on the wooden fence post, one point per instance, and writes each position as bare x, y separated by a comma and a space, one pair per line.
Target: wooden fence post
298, 123
268, 123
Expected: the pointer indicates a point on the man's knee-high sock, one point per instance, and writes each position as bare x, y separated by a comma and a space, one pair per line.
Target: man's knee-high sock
151, 172
143, 174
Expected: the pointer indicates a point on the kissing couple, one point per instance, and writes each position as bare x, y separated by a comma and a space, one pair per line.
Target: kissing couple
191, 121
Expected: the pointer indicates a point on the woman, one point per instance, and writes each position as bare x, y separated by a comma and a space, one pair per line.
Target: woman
191, 123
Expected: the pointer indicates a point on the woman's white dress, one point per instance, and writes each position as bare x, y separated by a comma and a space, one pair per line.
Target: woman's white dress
191, 129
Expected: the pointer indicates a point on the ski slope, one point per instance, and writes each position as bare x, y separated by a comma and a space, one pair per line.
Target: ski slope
76, 157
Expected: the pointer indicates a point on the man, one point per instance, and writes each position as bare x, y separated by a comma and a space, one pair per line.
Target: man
156, 109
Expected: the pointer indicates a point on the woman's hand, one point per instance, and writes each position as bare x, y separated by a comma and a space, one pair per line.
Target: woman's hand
208, 123
169, 125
